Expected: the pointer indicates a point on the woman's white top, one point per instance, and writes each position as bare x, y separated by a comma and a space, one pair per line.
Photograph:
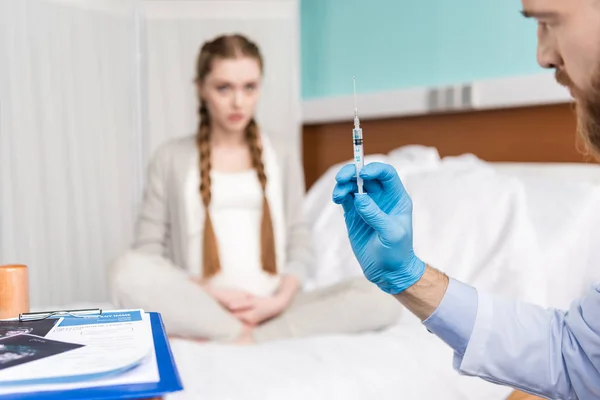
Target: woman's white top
236, 213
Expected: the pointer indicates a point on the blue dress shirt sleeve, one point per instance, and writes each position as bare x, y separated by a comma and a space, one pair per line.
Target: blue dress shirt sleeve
545, 352
454, 318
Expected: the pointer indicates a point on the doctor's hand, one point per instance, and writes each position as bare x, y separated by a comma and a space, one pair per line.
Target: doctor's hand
379, 225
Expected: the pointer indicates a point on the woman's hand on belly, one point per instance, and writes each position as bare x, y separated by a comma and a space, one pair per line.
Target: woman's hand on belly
249, 308
232, 299
260, 309
264, 308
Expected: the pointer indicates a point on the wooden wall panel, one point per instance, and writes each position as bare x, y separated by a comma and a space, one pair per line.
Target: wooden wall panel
531, 134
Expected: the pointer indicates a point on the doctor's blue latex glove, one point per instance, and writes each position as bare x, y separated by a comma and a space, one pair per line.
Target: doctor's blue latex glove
379, 225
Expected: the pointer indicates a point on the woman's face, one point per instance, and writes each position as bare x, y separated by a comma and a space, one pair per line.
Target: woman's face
231, 91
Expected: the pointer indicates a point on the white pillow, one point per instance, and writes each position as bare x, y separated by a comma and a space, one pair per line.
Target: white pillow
525, 235
334, 259
565, 211
499, 232
474, 224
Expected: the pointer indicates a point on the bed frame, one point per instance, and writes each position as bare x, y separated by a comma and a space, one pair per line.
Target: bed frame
530, 134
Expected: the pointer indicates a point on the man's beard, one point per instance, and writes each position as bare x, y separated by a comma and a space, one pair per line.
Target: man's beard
587, 106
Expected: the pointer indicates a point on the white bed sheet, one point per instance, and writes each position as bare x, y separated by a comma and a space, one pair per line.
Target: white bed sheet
404, 362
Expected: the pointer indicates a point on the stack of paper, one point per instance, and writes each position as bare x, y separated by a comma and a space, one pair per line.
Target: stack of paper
113, 348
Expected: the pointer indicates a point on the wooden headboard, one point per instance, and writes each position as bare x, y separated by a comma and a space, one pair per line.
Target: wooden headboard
530, 134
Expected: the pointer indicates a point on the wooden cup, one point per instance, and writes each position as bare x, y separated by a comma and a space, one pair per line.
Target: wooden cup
14, 290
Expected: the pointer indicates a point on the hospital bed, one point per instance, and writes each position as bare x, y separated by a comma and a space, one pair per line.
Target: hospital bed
497, 204
502, 200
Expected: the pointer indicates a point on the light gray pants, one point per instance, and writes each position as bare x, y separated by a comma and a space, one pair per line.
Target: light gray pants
155, 284
353, 306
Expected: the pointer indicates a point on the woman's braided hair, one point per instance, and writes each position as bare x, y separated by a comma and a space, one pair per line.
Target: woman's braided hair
230, 46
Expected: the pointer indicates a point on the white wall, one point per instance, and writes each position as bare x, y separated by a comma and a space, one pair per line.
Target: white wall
519, 91
174, 33
67, 120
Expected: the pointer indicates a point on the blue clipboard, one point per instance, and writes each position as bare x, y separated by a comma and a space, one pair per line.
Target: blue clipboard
169, 377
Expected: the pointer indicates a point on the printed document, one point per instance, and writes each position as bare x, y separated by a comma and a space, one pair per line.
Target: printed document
117, 348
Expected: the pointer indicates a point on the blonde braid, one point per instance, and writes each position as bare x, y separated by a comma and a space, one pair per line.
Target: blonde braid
267, 239
210, 253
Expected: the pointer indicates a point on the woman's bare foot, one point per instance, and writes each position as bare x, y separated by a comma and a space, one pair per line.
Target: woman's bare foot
245, 337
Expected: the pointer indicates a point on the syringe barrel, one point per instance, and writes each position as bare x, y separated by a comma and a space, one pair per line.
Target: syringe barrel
358, 155
358, 145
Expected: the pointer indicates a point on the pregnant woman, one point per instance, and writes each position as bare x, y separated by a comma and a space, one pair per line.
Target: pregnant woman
221, 245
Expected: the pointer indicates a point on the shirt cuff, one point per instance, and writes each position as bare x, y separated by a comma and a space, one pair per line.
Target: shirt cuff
454, 318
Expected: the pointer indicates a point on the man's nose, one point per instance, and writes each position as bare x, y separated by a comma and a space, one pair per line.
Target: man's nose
547, 52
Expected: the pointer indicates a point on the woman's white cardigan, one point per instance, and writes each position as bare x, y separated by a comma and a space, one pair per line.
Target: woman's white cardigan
155, 273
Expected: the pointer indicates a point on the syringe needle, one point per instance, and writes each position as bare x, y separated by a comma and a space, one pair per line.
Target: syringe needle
354, 83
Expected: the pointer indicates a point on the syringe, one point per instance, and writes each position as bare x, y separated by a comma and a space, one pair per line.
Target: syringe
358, 144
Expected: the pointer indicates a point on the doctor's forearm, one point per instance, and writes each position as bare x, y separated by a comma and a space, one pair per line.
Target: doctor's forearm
447, 307
424, 296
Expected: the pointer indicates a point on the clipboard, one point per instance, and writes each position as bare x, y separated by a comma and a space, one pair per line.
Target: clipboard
169, 381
